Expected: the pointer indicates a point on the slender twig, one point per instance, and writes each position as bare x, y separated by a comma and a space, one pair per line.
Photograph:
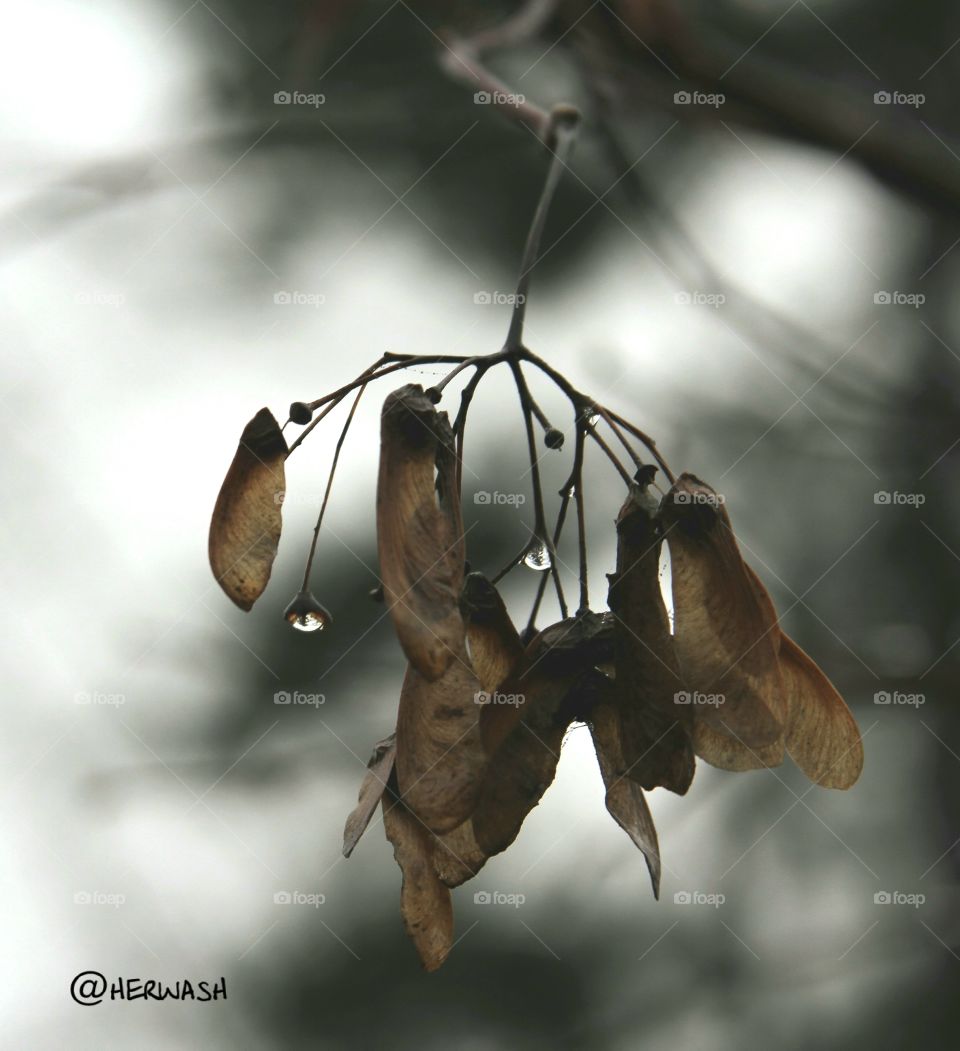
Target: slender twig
611, 455
560, 136
326, 494
581, 525
611, 423
540, 526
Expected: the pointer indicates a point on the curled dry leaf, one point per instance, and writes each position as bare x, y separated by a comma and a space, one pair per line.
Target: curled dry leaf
245, 527
655, 728
425, 901
374, 784
624, 797
725, 638
440, 758
420, 530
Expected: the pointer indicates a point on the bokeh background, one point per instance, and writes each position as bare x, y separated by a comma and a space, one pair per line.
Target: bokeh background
769, 293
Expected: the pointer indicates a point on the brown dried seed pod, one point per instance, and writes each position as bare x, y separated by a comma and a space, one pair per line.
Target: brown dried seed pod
420, 530
525, 745
725, 638
440, 758
374, 784
246, 522
656, 728
624, 797
425, 901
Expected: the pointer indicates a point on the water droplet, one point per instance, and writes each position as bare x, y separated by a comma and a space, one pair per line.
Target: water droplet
306, 614
593, 418
537, 556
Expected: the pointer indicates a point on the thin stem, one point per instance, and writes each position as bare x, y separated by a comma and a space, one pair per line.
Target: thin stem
611, 423
647, 441
540, 527
581, 526
326, 495
560, 135
558, 529
611, 455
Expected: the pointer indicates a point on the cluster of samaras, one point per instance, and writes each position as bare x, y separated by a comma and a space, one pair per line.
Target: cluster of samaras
459, 776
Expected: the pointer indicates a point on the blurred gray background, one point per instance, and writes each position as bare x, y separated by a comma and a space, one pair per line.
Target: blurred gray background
772, 302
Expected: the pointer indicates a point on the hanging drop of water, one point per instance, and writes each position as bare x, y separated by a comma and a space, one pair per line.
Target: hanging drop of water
306, 614
537, 556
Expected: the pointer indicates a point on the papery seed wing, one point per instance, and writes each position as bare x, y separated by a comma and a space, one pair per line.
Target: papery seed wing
525, 747
457, 856
655, 727
246, 522
624, 797
440, 758
724, 637
493, 641
822, 735
379, 771
425, 901
420, 530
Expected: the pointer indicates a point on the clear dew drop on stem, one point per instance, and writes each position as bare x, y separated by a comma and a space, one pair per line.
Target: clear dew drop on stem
537, 556
305, 613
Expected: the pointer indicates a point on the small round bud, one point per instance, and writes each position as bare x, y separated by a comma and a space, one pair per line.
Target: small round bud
553, 439
433, 394
300, 412
376, 593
